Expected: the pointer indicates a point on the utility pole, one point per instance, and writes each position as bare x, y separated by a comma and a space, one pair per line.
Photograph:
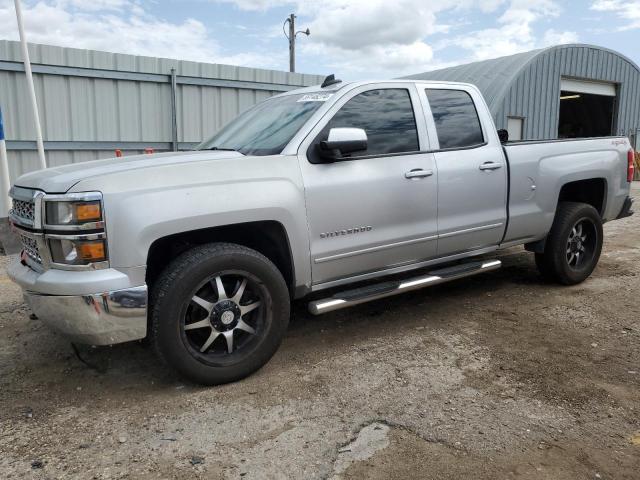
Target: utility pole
292, 40
292, 43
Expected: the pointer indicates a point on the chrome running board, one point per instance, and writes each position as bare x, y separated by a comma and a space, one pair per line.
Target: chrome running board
357, 296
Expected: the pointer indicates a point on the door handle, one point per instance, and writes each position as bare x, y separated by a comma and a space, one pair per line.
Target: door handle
490, 166
418, 173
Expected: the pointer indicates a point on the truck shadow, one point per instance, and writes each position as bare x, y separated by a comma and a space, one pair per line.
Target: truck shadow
518, 270
130, 366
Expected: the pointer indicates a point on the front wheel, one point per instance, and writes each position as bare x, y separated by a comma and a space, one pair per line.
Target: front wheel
574, 244
220, 312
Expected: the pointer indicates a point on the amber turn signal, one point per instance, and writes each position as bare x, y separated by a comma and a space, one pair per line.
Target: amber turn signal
88, 212
92, 251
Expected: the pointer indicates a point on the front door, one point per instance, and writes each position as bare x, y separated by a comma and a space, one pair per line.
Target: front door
369, 212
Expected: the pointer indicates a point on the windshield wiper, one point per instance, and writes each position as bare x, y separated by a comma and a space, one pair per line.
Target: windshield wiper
223, 149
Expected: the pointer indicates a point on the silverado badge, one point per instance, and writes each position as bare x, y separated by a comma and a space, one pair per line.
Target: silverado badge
347, 231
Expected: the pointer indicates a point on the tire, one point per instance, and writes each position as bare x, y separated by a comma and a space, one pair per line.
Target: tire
574, 244
192, 321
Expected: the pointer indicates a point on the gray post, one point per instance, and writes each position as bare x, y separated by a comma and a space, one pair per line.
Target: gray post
30, 88
174, 111
5, 182
8, 241
292, 43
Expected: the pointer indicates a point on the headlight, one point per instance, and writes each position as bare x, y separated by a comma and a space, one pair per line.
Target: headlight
74, 231
73, 213
78, 251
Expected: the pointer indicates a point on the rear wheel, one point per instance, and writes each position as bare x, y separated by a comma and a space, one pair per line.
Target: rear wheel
220, 312
574, 244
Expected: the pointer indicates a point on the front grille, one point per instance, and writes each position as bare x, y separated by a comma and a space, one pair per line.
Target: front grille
31, 248
24, 210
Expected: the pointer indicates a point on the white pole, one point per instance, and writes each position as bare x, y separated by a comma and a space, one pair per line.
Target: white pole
5, 183
32, 91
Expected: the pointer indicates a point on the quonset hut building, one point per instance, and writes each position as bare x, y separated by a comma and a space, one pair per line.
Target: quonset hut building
566, 91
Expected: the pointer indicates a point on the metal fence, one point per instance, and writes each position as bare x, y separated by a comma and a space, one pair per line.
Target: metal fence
92, 103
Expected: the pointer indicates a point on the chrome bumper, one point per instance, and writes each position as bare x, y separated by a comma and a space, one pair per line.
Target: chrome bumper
99, 319
66, 302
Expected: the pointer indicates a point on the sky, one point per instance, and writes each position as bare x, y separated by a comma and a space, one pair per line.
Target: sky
355, 39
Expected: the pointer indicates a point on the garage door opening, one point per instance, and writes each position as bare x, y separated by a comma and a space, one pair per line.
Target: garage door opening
586, 109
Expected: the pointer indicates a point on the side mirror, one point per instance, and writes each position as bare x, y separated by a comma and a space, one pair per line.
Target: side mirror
503, 135
341, 142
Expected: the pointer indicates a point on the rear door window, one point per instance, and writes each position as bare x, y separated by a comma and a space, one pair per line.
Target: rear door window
456, 118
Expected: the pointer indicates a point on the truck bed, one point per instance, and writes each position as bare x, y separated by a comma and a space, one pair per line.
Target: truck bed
538, 170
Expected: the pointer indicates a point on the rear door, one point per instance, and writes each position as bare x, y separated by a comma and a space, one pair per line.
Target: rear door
472, 170
369, 212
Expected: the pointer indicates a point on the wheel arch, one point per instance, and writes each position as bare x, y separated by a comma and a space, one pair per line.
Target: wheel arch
268, 237
592, 191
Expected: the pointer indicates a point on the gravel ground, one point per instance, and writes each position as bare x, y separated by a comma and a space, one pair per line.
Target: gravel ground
497, 376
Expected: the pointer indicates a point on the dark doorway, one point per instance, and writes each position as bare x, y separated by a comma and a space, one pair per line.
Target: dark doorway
585, 115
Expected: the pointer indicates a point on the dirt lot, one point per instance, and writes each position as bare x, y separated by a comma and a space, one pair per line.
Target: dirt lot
498, 376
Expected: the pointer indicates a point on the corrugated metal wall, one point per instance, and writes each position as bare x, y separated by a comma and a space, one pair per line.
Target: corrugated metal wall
93, 102
535, 93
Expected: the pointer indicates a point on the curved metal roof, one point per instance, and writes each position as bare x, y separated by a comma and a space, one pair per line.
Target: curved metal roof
495, 76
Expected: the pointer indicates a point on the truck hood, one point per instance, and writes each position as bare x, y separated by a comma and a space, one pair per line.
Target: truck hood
62, 179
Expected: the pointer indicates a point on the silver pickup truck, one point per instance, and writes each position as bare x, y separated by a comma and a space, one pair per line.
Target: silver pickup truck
345, 188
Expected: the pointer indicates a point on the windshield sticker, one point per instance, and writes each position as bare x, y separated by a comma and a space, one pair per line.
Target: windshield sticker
315, 97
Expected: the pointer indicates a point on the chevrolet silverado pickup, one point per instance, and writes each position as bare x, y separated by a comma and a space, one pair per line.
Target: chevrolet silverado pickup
362, 190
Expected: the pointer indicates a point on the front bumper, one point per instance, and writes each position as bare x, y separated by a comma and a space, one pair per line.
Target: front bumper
106, 318
99, 319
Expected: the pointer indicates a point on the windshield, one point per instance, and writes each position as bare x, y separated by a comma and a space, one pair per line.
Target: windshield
266, 128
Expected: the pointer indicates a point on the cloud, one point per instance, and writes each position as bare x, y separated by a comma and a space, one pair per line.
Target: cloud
357, 24
372, 38
514, 33
373, 60
628, 11
390, 38
375, 36
552, 37
121, 26
95, 5
256, 5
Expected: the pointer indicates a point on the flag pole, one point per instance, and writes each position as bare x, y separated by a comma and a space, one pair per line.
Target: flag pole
5, 183
31, 89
